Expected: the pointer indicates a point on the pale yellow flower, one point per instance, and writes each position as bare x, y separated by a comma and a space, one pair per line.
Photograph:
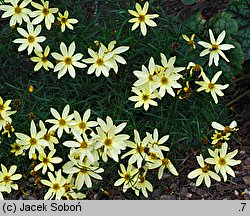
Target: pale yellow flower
204, 173
116, 51
223, 160
47, 161
7, 178
144, 97
17, 11
34, 142
65, 21
61, 123
68, 60
142, 185
101, 62
137, 151
128, 177
17, 149
215, 48
190, 40
56, 185
142, 18
42, 60
166, 81
210, 86
164, 163
43, 13
31, 39
84, 170
146, 76
80, 125
109, 140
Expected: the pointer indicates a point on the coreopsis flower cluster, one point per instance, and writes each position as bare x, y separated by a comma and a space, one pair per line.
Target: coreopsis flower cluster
220, 161
145, 154
105, 59
155, 81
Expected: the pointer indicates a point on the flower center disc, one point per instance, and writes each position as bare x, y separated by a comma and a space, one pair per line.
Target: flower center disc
68, 60
44, 59
64, 20
45, 11
6, 179
145, 97
99, 61
222, 161
56, 186
214, 47
141, 18
33, 141
18, 10
210, 85
108, 142
164, 80
62, 122
31, 39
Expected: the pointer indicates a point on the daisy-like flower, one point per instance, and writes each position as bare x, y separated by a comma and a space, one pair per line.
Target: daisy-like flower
137, 151
17, 149
226, 129
80, 125
84, 146
109, 140
204, 173
128, 177
218, 136
116, 51
4, 106
47, 161
101, 62
31, 39
190, 40
33, 142
144, 96
56, 185
61, 123
67, 61
195, 68
42, 60
84, 171
166, 81
142, 18
223, 160
210, 86
146, 76
167, 64
16, 11
155, 143
7, 178
143, 185
164, 163
215, 48
48, 136
65, 21
8, 129
5, 120
43, 13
